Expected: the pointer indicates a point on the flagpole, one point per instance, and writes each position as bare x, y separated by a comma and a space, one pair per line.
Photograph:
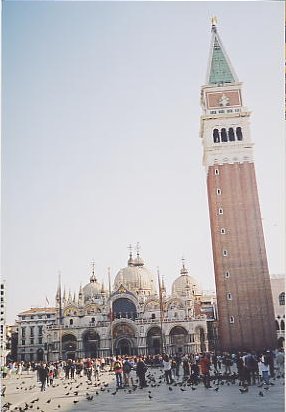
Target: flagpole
161, 310
110, 313
60, 319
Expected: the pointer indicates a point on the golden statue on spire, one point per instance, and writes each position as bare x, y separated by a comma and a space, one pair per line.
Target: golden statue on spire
214, 20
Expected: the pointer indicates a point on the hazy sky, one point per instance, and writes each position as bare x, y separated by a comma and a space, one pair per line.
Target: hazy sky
100, 136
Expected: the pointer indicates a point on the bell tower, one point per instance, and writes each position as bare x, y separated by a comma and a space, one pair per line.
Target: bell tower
245, 306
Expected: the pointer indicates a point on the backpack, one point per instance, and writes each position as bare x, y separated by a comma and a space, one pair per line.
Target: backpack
126, 367
117, 366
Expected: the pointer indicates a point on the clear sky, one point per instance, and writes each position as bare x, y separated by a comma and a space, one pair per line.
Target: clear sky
100, 136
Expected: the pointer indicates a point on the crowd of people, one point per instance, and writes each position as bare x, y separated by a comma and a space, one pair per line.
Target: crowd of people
248, 368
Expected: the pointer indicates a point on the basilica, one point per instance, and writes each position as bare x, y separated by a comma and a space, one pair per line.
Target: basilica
135, 316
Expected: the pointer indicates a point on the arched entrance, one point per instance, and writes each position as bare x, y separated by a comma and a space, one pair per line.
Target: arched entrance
154, 341
91, 342
178, 339
40, 355
124, 347
69, 346
124, 339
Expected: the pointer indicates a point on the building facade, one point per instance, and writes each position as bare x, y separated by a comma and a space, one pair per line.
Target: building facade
244, 298
31, 325
135, 316
278, 293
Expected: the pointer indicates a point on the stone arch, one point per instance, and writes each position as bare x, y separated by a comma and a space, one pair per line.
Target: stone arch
154, 340
124, 307
69, 345
282, 298
91, 343
277, 325
91, 309
178, 339
70, 310
152, 305
124, 336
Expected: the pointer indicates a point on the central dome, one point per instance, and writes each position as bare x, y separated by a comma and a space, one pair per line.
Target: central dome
136, 277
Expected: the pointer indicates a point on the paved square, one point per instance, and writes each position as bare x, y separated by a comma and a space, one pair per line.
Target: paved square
67, 395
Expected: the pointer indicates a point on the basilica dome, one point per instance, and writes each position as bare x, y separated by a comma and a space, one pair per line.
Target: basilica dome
92, 290
136, 277
184, 284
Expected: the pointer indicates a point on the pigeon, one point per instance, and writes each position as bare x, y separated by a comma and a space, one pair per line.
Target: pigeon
244, 390
59, 406
149, 396
170, 389
183, 390
261, 393
216, 389
89, 398
193, 389
114, 393
49, 400
75, 393
75, 401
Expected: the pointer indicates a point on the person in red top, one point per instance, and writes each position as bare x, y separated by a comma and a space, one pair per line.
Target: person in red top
205, 365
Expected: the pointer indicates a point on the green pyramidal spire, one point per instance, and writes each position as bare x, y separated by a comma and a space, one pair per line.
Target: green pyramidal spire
220, 70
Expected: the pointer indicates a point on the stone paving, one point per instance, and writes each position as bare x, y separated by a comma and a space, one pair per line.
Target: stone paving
62, 396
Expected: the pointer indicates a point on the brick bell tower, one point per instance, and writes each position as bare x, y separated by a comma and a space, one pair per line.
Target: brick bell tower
245, 306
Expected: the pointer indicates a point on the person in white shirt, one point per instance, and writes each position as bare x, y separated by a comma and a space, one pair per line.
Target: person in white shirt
167, 369
263, 368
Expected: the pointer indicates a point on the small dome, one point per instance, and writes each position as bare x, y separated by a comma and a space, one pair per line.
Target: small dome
92, 289
184, 283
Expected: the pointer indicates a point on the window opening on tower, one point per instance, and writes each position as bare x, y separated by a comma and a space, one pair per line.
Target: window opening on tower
231, 134
239, 133
216, 136
223, 135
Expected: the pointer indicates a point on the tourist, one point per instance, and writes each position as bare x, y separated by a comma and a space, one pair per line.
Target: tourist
126, 371
141, 369
117, 367
43, 374
263, 368
279, 360
167, 367
205, 365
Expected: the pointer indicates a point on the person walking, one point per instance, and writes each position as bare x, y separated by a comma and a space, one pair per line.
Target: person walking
167, 367
279, 360
126, 371
43, 374
141, 369
117, 367
205, 365
263, 368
